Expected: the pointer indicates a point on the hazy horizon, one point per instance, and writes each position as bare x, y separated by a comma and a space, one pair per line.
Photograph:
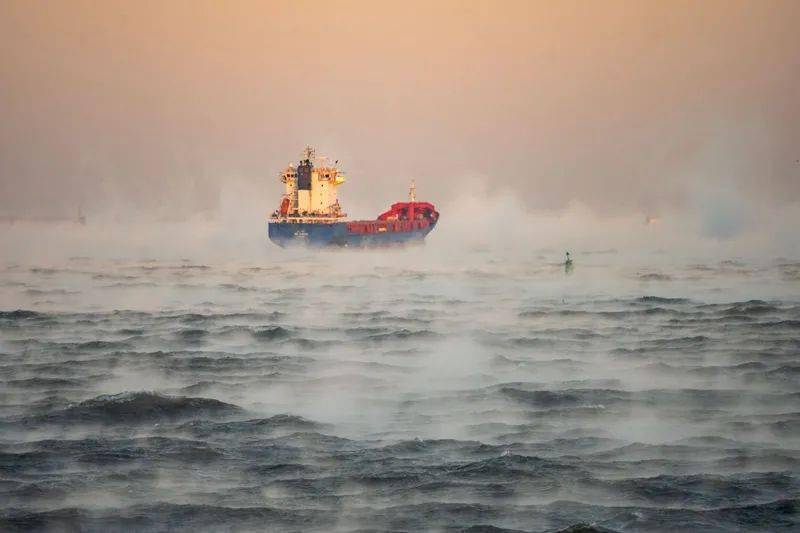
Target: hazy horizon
677, 110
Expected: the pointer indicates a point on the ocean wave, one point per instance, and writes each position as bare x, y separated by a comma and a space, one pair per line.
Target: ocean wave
138, 408
567, 398
402, 335
193, 334
778, 515
653, 276
662, 300
584, 528
154, 518
702, 490
271, 333
46, 383
605, 313
19, 314
511, 466
778, 324
749, 308
238, 288
255, 427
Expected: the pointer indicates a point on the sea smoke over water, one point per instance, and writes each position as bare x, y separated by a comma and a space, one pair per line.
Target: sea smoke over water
722, 223
165, 368
456, 385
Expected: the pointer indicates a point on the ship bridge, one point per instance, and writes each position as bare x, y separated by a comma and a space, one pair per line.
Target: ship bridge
310, 190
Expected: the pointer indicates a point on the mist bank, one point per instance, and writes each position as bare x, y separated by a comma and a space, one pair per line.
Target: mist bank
719, 224
336, 391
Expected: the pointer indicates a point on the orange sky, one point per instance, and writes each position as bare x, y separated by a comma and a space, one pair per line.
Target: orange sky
621, 105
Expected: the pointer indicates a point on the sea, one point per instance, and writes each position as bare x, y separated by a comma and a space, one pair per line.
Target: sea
400, 390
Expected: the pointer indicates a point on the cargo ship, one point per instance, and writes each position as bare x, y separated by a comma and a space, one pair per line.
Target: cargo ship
310, 214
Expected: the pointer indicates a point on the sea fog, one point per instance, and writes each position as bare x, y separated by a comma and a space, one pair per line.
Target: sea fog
192, 376
164, 367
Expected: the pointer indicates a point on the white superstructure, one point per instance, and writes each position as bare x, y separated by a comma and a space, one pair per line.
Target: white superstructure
311, 189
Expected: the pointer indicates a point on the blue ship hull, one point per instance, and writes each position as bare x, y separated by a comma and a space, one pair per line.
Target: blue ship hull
336, 234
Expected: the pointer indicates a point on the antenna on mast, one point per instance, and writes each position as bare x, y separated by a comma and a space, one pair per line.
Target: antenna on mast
412, 192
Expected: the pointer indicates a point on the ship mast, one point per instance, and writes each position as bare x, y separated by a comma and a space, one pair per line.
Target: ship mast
412, 192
